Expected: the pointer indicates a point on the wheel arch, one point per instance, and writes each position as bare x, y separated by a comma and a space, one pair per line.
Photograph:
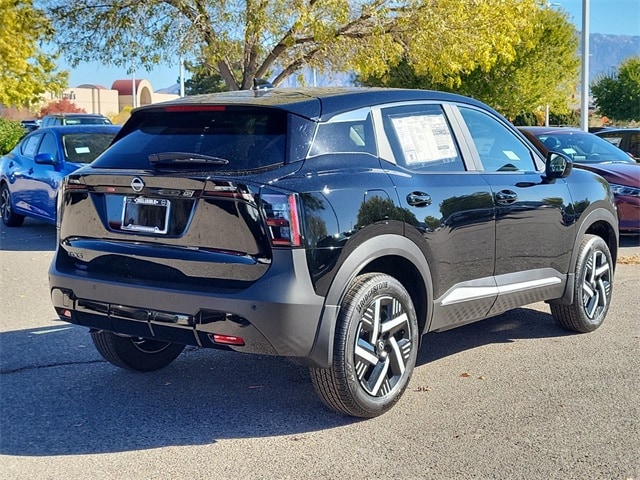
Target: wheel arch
392, 254
602, 223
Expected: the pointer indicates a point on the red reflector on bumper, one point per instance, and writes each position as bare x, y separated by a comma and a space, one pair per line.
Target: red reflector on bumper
227, 339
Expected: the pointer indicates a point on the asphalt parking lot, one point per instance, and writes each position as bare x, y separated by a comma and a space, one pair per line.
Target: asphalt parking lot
512, 397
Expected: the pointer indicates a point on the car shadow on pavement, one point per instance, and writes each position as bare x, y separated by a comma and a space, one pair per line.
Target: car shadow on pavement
59, 397
517, 324
33, 235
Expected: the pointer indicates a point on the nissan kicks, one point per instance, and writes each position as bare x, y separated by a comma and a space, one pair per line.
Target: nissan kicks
334, 226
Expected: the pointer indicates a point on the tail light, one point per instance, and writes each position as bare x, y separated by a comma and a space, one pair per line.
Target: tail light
67, 185
283, 220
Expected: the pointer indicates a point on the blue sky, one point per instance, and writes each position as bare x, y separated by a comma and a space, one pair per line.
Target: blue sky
616, 17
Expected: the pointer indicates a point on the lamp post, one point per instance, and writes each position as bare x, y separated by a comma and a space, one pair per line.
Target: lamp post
134, 97
584, 93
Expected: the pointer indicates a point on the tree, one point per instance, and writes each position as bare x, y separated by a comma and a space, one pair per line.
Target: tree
202, 81
542, 72
61, 106
246, 39
26, 72
11, 132
618, 95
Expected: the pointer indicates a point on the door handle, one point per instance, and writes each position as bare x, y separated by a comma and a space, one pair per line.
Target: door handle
419, 199
506, 197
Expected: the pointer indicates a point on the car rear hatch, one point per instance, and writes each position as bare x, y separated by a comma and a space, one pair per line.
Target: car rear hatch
180, 201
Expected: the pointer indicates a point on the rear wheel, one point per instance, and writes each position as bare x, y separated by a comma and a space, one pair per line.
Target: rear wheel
135, 353
9, 217
592, 289
375, 348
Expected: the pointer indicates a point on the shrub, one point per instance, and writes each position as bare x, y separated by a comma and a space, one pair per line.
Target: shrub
61, 106
10, 134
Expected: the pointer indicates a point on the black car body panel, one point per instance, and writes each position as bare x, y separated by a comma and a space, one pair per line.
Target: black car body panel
180, 248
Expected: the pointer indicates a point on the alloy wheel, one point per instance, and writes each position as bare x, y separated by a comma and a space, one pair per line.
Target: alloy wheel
596, 284
382, 346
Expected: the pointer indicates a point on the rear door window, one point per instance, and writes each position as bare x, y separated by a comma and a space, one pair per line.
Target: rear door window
421, 138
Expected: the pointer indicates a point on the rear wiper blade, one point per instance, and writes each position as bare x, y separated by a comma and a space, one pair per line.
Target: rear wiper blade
185, 158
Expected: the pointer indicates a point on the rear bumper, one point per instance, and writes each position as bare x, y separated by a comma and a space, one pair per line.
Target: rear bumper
278, 315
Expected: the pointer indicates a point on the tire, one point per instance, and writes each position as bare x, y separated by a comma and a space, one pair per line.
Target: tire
375, 348
9, 217
135, 353
592, 289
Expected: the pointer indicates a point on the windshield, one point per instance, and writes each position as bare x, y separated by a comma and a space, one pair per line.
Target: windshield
244, 138
583, 147
85, 147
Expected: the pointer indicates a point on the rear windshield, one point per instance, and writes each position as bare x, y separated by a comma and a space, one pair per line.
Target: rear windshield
245, 138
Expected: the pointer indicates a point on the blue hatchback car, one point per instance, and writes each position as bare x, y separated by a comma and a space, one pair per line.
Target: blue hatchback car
31, 172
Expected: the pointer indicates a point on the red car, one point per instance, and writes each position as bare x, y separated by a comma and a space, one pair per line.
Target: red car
590, 152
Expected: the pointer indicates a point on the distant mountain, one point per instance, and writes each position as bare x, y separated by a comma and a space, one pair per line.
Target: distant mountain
173, 89
607, 52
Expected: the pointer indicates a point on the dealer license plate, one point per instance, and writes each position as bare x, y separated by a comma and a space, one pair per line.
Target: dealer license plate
149, 215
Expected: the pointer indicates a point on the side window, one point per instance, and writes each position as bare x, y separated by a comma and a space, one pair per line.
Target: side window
421, 138
634, 145
49, 145
350, 132
614, 138
30, 147
498, 148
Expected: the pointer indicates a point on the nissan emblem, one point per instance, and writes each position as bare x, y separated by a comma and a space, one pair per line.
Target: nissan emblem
137, 184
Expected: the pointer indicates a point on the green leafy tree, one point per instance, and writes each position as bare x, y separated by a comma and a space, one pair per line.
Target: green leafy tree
543, 71
26, 72
618, 96
11, 132
203, 81
246, 39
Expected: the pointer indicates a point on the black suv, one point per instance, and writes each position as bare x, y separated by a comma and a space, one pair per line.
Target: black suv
334, 226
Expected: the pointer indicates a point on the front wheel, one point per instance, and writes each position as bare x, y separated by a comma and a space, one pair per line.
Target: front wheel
375, 348
135, 353
592, 289
9, 217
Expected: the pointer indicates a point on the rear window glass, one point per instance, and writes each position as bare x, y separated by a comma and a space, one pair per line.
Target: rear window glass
247, 138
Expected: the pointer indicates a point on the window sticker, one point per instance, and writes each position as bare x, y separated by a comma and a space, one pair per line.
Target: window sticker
424, 138
82, 150
511, 155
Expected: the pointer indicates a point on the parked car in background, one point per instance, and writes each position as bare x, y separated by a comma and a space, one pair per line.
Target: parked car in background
626, 139
30, 125
334, 226
31, 172
74, 119
590, 152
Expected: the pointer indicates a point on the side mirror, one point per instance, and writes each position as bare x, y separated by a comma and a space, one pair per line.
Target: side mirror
558, 165
45, 159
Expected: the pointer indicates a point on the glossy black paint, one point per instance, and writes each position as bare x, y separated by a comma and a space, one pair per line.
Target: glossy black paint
466, 242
